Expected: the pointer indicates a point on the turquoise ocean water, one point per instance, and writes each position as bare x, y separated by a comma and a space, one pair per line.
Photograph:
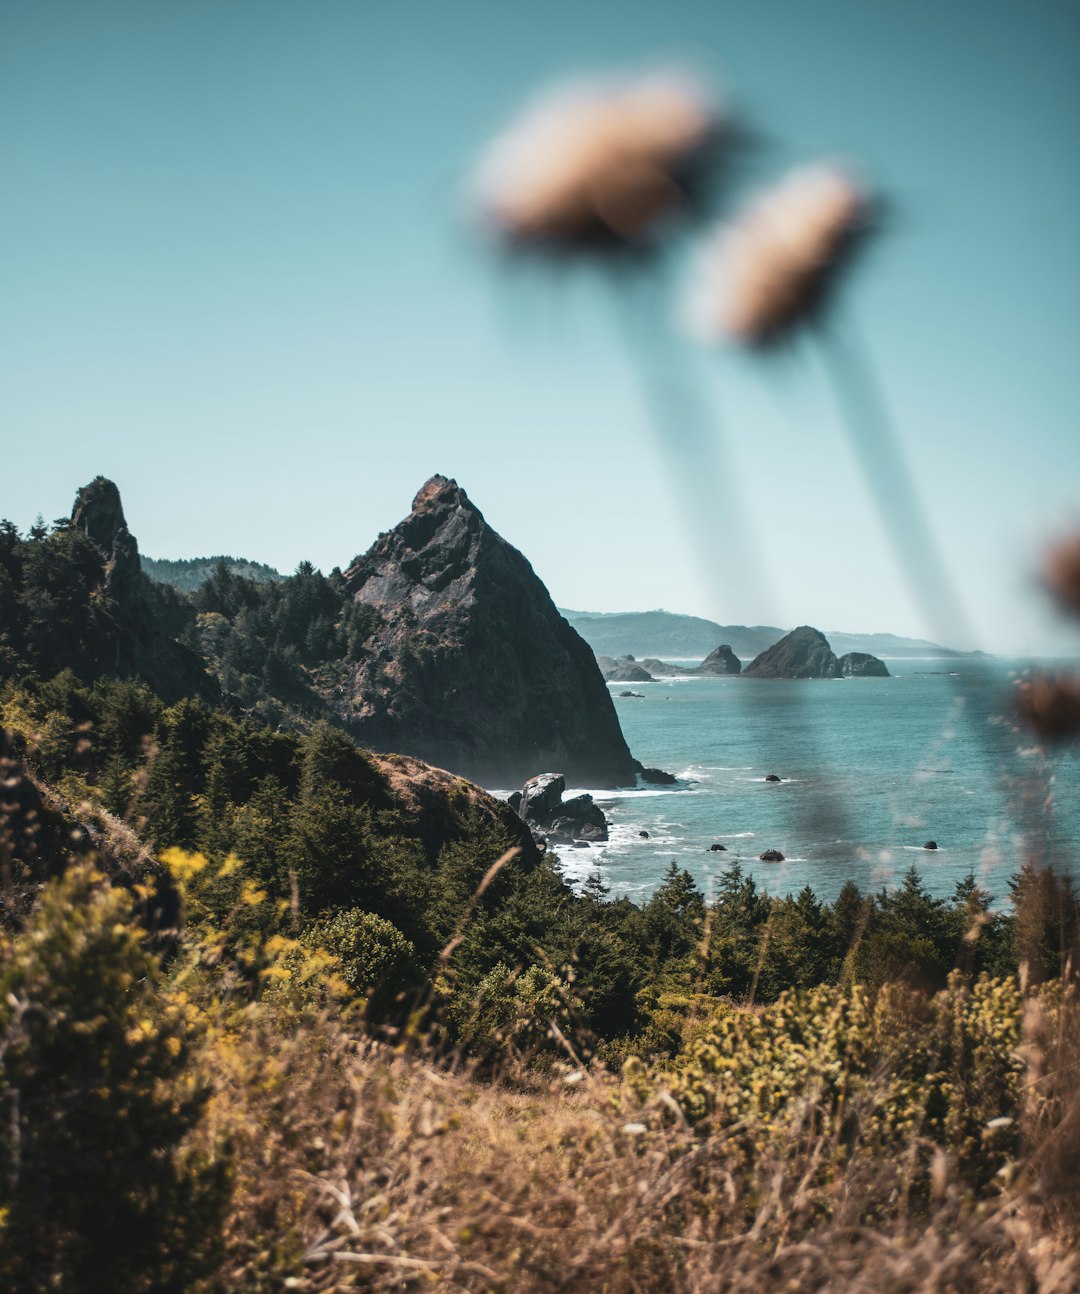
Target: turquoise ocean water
872, 768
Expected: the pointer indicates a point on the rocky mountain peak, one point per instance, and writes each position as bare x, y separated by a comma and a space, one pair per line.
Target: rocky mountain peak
471, 666
99, 513
140, 622
440, 492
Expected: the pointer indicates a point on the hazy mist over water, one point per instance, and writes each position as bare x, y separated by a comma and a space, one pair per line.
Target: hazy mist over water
872, 768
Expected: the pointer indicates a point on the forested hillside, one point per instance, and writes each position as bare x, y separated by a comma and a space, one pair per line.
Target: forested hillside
188, 574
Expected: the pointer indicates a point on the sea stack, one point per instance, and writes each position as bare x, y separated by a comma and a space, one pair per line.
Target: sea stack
722, 660
860, 664
470, 665
805, 653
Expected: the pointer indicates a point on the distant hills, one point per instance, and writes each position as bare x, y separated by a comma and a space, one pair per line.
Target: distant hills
667, 634
191, 573
663, 634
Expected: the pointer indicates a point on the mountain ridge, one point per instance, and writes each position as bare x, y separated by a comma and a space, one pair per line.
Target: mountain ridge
666, 634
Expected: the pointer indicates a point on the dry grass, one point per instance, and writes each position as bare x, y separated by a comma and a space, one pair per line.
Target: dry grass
362, 1166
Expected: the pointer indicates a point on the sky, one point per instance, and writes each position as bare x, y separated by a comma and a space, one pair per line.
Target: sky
239, 279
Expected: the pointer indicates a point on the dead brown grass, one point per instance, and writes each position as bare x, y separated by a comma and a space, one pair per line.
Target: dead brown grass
361, 1166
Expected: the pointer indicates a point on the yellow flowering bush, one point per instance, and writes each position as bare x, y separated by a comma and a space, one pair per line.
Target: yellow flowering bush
882, 1072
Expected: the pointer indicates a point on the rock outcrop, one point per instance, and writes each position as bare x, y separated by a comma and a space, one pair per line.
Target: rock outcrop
540, 804
720, 661
622, 669
439, 803
140, 620
803, 653
470, 666
860, 664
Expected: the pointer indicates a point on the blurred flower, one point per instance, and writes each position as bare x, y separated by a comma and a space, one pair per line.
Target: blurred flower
1050, 705
770, 270
1061, 571
600, 164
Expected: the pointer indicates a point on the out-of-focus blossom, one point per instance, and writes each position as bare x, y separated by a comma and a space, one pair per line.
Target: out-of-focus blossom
1061, 570
1050, 705
771, 269
599, 165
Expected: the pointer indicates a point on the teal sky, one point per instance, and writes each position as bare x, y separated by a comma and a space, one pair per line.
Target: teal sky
237, 281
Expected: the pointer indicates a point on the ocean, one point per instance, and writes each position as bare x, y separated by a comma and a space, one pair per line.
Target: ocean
871, 769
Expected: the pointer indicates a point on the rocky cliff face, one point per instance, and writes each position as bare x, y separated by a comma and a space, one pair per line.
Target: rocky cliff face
471, 667
143, 619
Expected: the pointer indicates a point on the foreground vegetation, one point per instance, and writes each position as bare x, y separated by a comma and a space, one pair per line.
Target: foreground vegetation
326, 1043
205, 1120
278, 1013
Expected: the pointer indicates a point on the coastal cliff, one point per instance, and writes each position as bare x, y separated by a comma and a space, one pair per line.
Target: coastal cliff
469, 664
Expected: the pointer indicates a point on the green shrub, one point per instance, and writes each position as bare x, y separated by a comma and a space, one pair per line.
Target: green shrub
96, 1190
880, 1072
374, 958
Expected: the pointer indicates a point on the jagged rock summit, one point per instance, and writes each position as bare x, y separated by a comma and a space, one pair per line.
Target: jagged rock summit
722, 660
469, 665
99, 514
805, 653
137, 622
